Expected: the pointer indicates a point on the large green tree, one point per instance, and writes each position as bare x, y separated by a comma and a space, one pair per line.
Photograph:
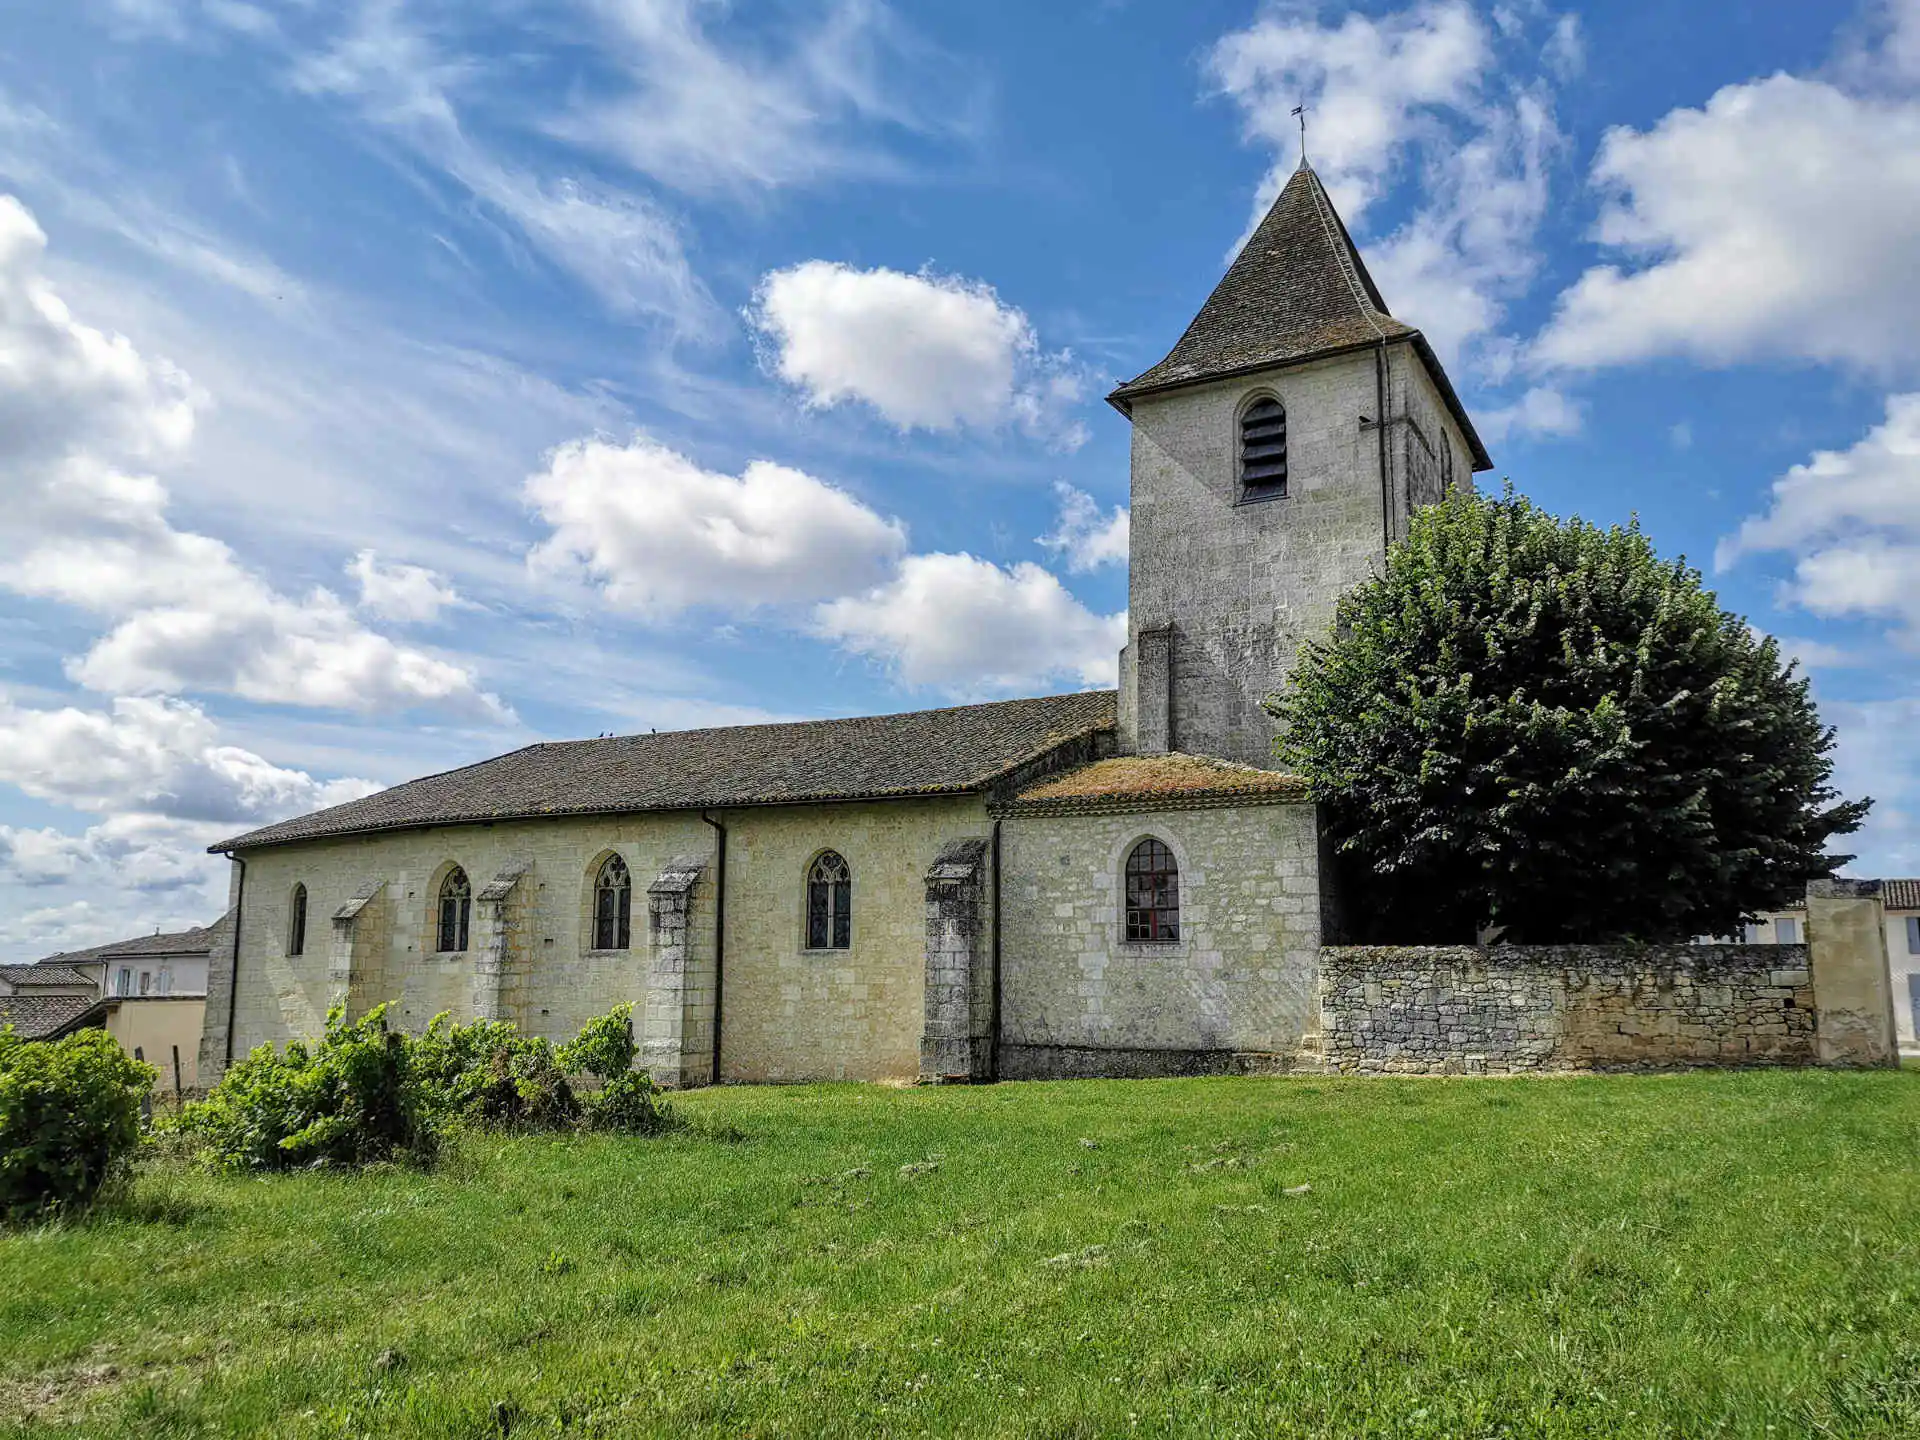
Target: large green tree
1542, 726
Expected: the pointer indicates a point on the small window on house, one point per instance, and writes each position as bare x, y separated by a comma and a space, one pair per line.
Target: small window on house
123, 982
1263, 450
829, 903
1913, 935
1153, 893
1787, 932
456, 905
297, 922
613, 906
146, 981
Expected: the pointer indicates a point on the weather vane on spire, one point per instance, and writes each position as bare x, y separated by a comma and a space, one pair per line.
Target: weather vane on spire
1300, 114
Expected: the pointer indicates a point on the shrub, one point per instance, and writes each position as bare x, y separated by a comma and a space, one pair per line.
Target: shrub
1545, 727
487, 1073
69, 1119
346, 1099
364, 1093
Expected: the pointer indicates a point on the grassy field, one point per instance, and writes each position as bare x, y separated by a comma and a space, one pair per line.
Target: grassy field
1694, 1255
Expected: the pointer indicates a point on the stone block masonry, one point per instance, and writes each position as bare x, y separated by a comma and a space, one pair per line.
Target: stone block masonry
1404, 1010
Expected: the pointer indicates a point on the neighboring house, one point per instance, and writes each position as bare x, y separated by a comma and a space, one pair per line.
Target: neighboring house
149, 993
1902, 901
1099, 883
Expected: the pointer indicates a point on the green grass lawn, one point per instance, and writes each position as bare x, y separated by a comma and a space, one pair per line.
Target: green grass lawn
1729, 1254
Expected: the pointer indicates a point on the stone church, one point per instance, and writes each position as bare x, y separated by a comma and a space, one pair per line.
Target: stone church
1092, 884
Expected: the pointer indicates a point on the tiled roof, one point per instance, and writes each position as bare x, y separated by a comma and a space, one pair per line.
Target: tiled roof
1155, 782
198, 941
925, 752
40, 1017
1297, 290
42, 974
1900, 894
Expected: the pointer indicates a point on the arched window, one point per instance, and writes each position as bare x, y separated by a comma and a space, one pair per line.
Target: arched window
1153, 893
613, 906
1263, 449
456, 905
829, 903
297, 922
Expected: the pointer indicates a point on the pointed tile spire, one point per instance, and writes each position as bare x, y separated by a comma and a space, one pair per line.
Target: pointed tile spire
1297, 288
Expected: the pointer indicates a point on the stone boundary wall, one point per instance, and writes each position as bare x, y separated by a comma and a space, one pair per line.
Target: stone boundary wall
1453, 1010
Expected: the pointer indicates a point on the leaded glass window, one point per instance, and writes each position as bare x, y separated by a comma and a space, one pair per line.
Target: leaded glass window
613, 906
456, 906
297, 922
829, 903
1153, 893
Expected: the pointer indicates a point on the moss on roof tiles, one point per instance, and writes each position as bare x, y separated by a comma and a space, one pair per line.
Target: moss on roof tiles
924, 752
1135, 777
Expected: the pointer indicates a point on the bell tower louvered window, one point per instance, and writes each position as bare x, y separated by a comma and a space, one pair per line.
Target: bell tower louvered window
1263, 450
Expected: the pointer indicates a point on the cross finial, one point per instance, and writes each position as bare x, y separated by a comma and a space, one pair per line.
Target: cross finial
1300, 114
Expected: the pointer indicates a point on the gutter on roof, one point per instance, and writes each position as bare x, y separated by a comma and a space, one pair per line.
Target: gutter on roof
1122, 397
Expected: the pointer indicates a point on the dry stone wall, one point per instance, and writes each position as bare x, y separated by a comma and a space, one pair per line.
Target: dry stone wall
1462, 1010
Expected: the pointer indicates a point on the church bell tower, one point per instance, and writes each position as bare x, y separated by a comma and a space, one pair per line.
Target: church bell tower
1277, 450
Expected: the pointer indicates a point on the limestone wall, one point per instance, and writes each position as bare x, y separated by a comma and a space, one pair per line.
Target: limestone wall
791, 1013
1236, 991
1243, 584
1454, 1010
787, 1013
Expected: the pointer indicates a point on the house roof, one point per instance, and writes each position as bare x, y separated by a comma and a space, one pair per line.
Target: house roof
42, 974
1894, 895
1298, 290
198, 941
1155, 782
42, 1017
925, 752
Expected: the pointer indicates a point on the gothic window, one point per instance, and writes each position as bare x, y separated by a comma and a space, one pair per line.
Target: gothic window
456, 906
297, 922
1153, 893
1263, 450
829, 903
613, 906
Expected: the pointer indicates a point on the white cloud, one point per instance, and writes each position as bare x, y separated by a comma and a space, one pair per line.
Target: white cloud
704, 117
1084, 537
1852, 520
75, 404
659, 534
624, 247
967, 626
1542, 410
409, 593
1371, 85
927, 351
1414, 86
1777, 220
153, 757
142, 853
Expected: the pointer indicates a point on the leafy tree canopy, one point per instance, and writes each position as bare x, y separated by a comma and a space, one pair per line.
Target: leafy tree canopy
1543, 726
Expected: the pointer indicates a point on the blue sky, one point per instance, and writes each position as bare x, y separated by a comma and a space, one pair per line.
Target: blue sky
386, 385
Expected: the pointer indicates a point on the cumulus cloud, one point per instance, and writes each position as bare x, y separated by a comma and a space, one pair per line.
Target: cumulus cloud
967, 626
408, 593
1084, 537
1776, 220
76, 407
657, 533
1542, 410
1852, 520
930, 352
1415, 86
153, 757
143, 853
